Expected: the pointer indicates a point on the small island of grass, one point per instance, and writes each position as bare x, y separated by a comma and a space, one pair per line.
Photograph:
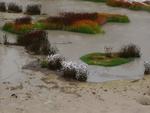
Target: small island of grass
127, 54
89, 23
101, 59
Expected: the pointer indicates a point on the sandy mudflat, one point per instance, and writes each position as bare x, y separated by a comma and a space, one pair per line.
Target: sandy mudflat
50, 94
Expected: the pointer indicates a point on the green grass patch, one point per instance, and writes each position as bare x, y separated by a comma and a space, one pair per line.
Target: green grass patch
119, 19
9, 27
40, 26
74, 22
87, 29
101, 59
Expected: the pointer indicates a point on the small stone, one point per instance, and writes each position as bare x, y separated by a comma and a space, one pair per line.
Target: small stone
93, 93
14, 95
105, 90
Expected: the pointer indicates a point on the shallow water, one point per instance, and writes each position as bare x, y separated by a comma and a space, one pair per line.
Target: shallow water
12, 59
74, 45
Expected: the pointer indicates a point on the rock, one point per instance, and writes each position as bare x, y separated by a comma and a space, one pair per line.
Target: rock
105, 90
93, 93
14, 95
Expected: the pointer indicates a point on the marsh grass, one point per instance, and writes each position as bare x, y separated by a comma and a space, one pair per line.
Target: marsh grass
2, 7
24, 20
89, 23
129, 5
130, 50
35, 41
14, 8
33, 9
101, 59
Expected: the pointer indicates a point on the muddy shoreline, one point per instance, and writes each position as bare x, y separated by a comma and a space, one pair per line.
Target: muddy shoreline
49, 93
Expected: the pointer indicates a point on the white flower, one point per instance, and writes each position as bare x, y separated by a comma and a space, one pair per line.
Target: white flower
55, 57
80, 68
147, 66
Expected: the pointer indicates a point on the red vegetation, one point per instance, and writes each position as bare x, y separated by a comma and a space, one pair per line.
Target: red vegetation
119, 3
126, 4
35, 41
23, 20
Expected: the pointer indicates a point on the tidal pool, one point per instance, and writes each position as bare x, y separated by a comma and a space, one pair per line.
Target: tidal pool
74, 45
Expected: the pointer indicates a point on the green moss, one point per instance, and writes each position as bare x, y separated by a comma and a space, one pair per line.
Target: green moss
24, 30
40, 25
100, 59
119, 19
86, 29
9, 28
